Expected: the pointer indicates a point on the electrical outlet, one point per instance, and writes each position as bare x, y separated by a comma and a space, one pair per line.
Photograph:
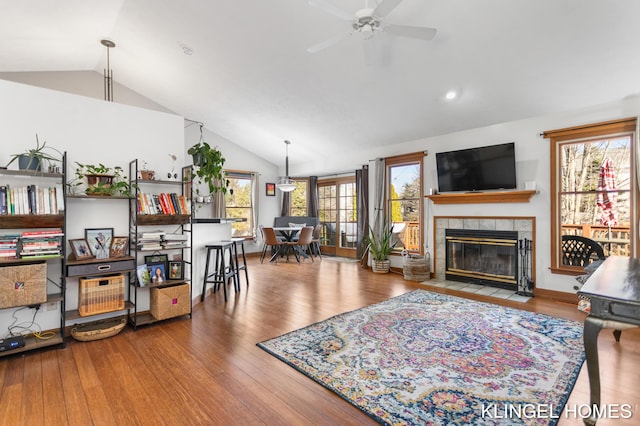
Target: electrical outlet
52, 306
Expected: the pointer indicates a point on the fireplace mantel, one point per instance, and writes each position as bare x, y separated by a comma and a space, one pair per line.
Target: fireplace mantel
482, 197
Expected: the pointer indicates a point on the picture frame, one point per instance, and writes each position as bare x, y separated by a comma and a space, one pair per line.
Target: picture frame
175, 270
144, 278
80, 249
99, 241
271, 189
119, 246
157, 272
157, 258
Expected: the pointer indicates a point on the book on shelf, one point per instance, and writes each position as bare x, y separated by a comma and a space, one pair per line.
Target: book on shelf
31, 200
162, 203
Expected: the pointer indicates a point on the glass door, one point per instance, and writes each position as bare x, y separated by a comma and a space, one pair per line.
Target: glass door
338, 216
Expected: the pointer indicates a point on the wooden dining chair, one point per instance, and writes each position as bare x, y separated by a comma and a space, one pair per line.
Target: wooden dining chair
271, 241
305, 236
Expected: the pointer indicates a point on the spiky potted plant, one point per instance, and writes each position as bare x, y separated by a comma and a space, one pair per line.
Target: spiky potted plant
380, 246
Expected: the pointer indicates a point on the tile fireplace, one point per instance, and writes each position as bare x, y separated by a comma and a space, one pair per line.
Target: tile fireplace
480, 256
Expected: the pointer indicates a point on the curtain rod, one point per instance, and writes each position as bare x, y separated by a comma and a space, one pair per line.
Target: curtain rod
425, 153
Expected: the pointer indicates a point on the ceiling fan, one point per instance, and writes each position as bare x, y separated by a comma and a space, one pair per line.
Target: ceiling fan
367, 22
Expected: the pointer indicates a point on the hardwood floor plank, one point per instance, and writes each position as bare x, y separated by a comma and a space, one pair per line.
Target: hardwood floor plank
208, 369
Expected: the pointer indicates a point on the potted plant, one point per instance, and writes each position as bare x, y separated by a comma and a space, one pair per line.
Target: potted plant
380, 247
32, 159
209, 162
102, 180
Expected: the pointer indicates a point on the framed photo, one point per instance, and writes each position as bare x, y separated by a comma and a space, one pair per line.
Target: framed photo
157, 258
271, 189
80, 249
144, 278
99, 241
119, 246
157, 271
175, 270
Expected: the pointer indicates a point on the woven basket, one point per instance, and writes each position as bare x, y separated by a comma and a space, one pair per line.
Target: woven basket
100, 295
169, 302
416, 268
98, 329
23, 285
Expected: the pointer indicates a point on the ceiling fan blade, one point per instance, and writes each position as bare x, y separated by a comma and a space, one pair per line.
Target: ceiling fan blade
331, 9
386, 7
422, 33
328, 43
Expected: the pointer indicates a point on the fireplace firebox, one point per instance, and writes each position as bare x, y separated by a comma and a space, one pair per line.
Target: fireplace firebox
483, 257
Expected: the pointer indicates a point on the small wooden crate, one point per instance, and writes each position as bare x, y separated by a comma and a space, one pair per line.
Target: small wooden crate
22, 285
101, 294
169, 302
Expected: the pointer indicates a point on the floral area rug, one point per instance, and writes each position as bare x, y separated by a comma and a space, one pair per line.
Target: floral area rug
430, 358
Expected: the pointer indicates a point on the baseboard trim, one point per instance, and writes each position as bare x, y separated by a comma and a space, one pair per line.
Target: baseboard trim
560, 296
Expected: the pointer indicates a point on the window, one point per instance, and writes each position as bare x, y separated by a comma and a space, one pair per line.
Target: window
404, 200
593, 188
240, 203
298, 206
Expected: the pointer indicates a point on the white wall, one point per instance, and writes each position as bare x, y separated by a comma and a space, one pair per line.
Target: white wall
92, 131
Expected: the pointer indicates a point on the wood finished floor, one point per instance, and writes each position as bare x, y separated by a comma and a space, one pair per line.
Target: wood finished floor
208, 370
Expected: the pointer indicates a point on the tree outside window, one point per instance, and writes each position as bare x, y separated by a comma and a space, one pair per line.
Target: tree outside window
299, 199
404, 197
239, 204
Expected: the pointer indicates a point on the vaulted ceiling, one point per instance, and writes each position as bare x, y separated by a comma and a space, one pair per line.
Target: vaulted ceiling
250, 78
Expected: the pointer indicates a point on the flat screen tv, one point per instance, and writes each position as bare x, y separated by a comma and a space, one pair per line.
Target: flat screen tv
477, 169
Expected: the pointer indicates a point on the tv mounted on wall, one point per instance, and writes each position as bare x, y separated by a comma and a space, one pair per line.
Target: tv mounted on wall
477, 169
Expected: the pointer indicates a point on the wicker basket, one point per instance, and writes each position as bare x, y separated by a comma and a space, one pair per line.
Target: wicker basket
23, 285
100, 295
169, 302
416, 268
98, 330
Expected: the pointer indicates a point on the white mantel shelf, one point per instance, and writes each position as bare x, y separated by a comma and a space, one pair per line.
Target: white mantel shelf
482, 197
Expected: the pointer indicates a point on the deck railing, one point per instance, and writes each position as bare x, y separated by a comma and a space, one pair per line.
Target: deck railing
615, 240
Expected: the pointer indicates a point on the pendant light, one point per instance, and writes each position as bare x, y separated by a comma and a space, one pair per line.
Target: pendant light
286, 184
108, 73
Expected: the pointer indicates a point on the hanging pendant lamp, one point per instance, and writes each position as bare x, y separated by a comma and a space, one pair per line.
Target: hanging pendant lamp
286, 184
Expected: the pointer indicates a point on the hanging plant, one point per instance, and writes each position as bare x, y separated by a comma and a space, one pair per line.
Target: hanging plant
209, 162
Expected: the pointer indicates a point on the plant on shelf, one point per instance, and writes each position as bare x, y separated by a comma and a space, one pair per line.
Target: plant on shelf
102, 180
33, 159
380, 246
209, 162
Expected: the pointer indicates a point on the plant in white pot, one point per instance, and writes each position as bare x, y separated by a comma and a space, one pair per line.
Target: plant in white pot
380, 246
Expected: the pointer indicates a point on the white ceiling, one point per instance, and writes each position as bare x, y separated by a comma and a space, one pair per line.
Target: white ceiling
251, 80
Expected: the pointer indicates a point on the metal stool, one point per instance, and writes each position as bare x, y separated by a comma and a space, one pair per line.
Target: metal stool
237, 267
222, 272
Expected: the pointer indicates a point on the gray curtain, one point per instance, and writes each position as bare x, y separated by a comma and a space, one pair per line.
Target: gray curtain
362, 189
286, 203
312, 197
378, 206
255, 211
219, 205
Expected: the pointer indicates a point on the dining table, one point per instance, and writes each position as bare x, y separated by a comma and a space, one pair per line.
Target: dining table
289, 233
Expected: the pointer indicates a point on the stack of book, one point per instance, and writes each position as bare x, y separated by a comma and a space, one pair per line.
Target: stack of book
44, 243
163, 203
174, 241
149, 240
9, 246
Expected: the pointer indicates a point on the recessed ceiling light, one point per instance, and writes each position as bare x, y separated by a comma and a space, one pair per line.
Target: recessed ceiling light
451, 95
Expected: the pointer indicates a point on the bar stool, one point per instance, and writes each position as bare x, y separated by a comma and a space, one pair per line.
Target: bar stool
240, 242
222, 272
